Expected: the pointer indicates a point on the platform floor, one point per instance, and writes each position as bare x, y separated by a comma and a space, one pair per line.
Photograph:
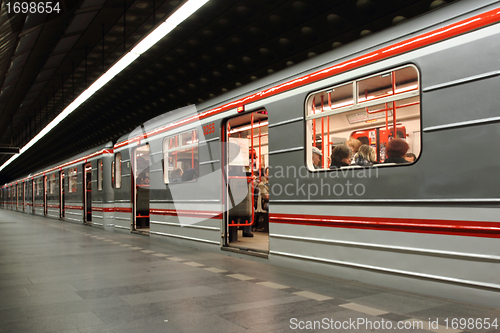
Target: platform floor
62, 277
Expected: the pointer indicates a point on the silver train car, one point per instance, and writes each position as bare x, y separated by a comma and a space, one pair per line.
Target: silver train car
431, 226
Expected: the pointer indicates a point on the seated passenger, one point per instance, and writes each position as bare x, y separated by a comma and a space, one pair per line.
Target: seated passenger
353, 145
410, 157
189, 175
316, 156
176, 175
341, 156
396, 151
366, 156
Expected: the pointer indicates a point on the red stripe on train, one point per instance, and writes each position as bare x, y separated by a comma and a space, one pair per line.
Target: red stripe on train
74, 207
103, 209
187, 213
429, 226
123, 210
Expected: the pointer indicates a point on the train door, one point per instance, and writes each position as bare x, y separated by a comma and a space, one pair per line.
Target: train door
61, 194
45, 187
87, 190
141, 189
16, 201
32, 188
246, 223
24, 196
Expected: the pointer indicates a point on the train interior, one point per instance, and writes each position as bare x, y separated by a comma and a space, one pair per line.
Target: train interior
141, 195
368, 110
247, 218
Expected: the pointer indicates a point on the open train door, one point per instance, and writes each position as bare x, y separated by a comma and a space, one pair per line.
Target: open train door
245, 156
141, 189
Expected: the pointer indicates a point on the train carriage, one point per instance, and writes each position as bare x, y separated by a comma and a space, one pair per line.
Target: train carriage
84, 189
429, 226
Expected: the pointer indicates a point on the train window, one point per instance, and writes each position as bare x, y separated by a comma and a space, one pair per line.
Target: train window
52, 183
99, 175
118, 170
73, 180
39, 186
371, 110
180, 154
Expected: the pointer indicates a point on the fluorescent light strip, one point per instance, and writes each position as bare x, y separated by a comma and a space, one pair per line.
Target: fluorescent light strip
145, 44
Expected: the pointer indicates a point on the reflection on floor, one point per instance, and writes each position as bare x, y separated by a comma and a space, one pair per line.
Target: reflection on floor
259, 241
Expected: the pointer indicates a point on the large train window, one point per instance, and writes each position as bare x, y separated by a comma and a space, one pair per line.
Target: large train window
73, 180
180, 157
369, 111
118, 170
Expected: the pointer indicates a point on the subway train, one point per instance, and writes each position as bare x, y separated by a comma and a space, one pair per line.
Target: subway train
191, 176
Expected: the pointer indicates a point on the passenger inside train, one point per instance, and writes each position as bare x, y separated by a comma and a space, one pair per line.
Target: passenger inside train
366, 156
396, 151
341, 157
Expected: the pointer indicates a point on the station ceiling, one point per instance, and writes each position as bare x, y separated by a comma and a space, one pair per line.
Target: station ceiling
47, 60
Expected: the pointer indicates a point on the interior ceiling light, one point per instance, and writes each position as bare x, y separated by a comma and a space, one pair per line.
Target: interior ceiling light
145, 44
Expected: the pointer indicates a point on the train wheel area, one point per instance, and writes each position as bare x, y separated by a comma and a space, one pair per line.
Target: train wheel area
190, 290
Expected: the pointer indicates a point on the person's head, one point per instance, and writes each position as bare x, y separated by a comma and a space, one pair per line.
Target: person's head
189, 174
368, 153
266, 172
364, 140
176, 173
354, 145
397, 148
341, 154
410, 157
316, 156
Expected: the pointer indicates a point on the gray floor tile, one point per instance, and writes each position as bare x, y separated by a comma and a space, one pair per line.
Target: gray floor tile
54, 277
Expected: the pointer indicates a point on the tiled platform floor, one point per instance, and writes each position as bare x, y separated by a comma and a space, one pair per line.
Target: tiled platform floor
61, 277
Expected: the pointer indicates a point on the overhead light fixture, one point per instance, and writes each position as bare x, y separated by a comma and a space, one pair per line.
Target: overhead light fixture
145, 44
